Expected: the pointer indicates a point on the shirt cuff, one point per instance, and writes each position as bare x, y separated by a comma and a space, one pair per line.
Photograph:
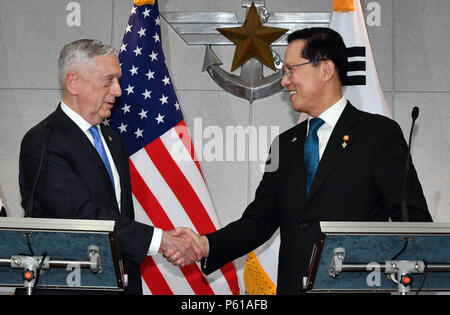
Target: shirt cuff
155, 243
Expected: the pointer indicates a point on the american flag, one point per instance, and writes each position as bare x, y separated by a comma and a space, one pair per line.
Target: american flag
167, 183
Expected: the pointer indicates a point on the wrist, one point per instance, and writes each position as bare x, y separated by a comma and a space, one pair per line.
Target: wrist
164, 242
205, 243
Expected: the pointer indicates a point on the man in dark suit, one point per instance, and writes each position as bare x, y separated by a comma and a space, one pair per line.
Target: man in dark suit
359, 177
85, 172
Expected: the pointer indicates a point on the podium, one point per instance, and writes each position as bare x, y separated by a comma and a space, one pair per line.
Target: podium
380, 257
60, 254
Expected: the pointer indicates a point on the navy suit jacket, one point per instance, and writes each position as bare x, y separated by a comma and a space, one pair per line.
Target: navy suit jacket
359, 181
74, 184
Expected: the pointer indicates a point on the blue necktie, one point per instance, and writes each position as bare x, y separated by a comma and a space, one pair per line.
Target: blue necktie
311, 151
101, 151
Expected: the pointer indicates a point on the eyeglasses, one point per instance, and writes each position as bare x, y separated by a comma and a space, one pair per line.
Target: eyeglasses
289, 69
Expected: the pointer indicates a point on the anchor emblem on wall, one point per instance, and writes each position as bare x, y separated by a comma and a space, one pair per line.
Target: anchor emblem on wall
253, 41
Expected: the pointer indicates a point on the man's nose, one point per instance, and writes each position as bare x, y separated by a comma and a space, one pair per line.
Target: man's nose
285, 81
116, 90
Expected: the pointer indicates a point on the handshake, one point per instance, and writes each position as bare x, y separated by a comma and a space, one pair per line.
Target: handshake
183, 246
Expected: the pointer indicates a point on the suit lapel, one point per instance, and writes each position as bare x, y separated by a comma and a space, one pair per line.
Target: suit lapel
336, 147
296, 166
116, 150
81, 142
114, 147
77, 137
120, 158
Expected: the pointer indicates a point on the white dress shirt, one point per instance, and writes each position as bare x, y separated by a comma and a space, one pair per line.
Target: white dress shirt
84, 126
330, 117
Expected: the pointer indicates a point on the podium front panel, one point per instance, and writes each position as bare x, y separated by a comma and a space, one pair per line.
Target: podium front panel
62, 240
373, 244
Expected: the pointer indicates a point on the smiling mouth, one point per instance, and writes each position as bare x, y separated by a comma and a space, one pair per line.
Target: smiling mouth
291, 94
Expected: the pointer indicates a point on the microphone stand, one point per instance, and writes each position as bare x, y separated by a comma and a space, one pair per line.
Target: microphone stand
404, 206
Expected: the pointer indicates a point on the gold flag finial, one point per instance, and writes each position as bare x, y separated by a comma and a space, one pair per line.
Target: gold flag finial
343, 5
144, 2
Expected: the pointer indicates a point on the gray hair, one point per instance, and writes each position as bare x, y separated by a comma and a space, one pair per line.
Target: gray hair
80, 52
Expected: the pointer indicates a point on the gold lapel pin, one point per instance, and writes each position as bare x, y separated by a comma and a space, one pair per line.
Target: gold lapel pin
109, 138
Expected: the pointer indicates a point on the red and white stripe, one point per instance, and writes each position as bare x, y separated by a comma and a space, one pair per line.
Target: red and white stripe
169, 191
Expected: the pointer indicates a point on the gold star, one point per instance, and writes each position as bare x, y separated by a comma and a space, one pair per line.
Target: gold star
252, 40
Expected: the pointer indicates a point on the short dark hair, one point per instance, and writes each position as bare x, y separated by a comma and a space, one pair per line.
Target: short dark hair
323, 43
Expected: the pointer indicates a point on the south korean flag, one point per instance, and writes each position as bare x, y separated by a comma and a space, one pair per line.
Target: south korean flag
362, 87
2, 209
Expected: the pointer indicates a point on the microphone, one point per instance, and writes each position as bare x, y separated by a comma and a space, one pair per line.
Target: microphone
415, 113
30, 205
404, 206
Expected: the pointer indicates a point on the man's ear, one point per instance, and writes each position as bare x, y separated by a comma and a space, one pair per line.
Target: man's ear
328, 70
73, 82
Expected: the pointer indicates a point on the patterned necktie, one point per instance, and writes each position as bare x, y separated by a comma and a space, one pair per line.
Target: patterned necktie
101, 151
311, 151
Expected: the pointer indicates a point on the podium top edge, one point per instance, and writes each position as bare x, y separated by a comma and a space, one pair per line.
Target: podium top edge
67, 225
331, 227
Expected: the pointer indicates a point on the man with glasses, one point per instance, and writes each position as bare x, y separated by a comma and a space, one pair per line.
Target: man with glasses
341, 164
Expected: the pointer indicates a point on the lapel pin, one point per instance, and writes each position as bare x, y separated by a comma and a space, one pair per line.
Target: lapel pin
294, 139
346, 138
109, 138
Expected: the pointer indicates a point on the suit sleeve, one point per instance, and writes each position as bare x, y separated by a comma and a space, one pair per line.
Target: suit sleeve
389, 172
257, 224
62, 193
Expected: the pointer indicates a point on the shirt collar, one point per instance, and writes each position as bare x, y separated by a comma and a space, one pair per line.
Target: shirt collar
76, 118
332, 114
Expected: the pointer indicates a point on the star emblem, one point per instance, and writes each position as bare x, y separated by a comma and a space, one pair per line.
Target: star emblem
142, 32
128, 29
146, 94
126, 108
146, 13
154, 56
150, 74
123, 128
130, 89
143, 114
134, 70
160, 119
166, 80
252, 40
163, 99
139, 133
138, 51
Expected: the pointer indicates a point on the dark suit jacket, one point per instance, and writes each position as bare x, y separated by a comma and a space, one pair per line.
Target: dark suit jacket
74, 184
359, 182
